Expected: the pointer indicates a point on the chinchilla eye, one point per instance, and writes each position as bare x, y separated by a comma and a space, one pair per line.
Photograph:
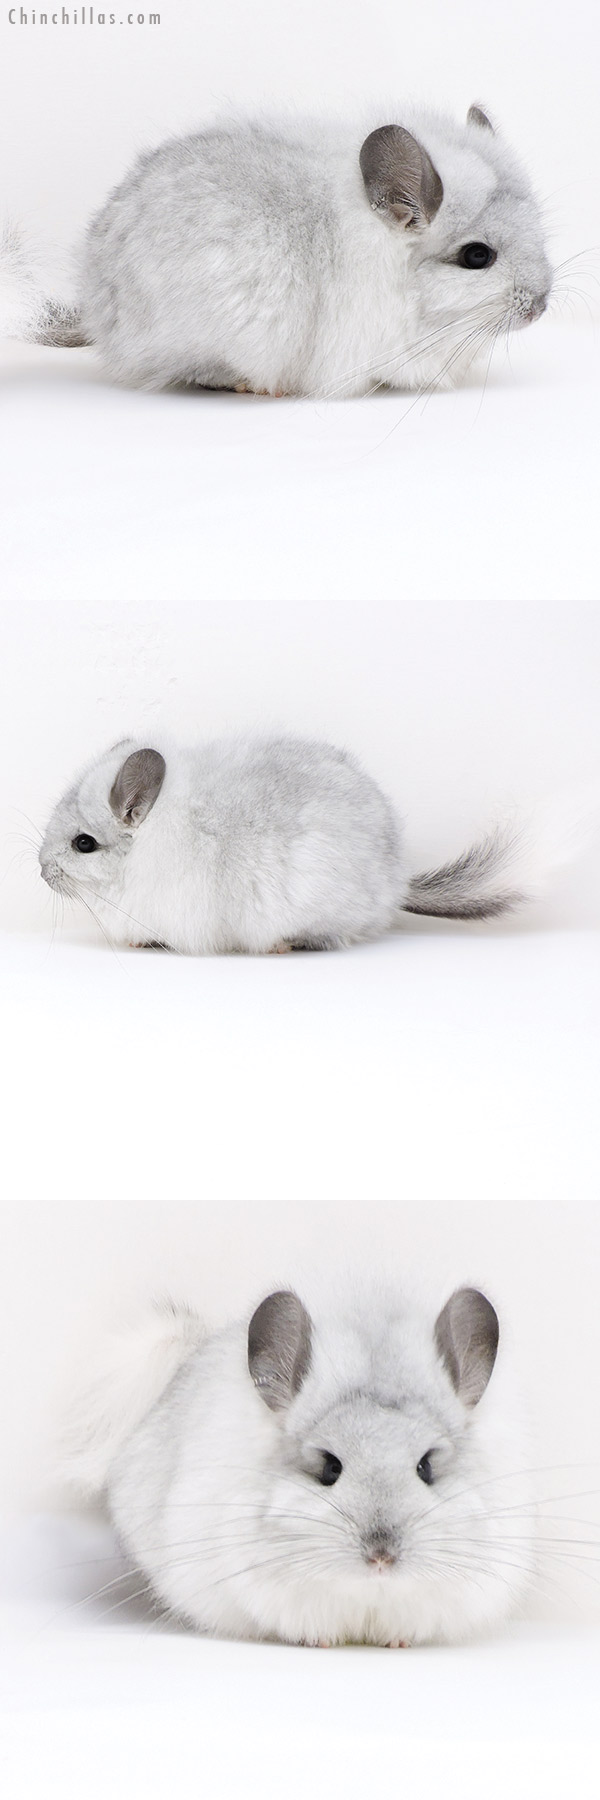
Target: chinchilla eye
84, 843
331, 1469
476, 256
424, 1470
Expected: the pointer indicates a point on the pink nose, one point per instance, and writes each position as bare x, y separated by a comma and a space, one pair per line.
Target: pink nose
381, 1559
535, 310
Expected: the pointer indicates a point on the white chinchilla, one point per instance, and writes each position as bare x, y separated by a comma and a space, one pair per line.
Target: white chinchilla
256, 845
304, 257
339, 1475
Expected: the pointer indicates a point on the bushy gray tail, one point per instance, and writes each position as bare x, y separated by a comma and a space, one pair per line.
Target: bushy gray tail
488, 880
515, 862
133, 1371
27, 311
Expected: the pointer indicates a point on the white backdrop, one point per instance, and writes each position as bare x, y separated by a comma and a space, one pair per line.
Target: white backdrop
78, 102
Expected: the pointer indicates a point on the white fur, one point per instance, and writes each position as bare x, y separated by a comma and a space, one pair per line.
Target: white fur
215, 1501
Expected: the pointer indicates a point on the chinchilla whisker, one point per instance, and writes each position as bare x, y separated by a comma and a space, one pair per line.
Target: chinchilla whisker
465, 1566
400, 357
391, 362
550, 1499
74, 1606
425, 393
325, 1498
126, 915
164, 1550
23, 815
128, 1599
22, 837
477, 317
267, 1565
493, 1558
591, 250
488, 368
221, 1541
93, 915
19, 859
566, 1548
569, 295
478, 341
530, 1472
428, 388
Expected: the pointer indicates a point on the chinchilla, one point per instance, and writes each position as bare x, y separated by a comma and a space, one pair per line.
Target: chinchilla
344, 1474
258, 844
315, 257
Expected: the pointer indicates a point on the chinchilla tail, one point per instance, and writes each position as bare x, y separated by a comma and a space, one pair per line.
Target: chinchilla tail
483, 883
27, 310
513, 864
134, 1371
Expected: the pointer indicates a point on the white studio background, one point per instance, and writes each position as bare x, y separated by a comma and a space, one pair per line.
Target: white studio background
69, 1275
78, 102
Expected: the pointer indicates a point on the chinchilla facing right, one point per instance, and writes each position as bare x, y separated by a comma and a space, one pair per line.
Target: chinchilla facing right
306, 257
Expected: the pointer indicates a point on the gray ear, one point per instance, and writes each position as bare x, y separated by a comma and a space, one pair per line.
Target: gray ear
279, 1341
399, 176
466, 1335
476, 116
137, 786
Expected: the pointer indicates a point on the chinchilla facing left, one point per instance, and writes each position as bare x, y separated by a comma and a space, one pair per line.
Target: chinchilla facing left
353, 1471
257, 845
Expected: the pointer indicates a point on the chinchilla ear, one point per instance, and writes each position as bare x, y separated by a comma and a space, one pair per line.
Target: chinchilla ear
466, 1336
477, 116
137, 786
399, 176
279, 1346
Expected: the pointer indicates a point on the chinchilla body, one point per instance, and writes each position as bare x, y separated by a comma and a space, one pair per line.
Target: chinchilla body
315, 257
256, 845
250, 845
324, 1477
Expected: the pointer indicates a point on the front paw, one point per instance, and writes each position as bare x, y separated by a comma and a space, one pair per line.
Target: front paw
243, 387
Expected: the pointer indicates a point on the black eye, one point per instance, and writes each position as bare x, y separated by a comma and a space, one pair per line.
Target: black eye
476, 256
331, 1469
84, 843
425, 1471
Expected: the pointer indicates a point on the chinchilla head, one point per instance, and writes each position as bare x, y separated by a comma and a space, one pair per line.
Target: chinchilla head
93, 829
467, 213
387, 1453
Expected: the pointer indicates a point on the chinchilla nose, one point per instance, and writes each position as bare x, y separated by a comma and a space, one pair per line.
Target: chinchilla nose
379, 1550
529, 305
536, 307
49, 871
